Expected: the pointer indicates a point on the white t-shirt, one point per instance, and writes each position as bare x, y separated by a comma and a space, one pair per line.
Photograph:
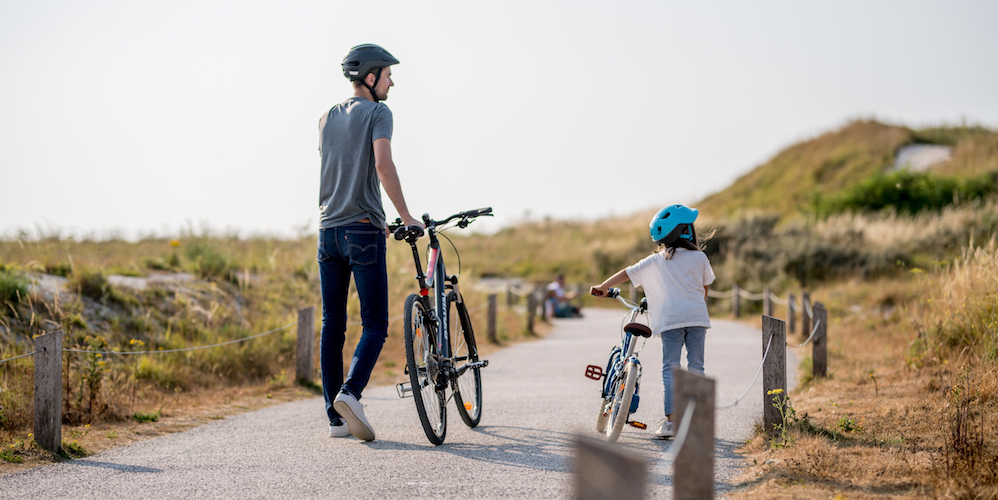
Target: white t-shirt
674, 288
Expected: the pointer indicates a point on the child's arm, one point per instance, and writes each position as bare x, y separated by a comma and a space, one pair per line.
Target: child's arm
705, 288
616, 279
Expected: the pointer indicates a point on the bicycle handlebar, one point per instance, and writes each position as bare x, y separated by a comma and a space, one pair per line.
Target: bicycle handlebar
403, 232
614, 293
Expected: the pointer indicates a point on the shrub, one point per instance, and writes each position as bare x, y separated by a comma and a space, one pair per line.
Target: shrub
91, 282
13, 288
909, 192
208, 261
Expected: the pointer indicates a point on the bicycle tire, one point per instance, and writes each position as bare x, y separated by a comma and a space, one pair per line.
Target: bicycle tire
423, 364
601, 417
468, 387
620, 406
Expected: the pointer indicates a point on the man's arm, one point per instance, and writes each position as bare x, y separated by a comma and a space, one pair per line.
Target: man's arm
390, 180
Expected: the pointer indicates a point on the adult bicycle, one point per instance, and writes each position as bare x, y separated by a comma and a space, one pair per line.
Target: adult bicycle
622, 378
440, 348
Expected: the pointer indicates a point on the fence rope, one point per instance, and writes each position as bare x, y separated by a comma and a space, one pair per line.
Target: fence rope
750, 296
684, 427
807, 307
718, 294
813, 331
244, 339
778, 300
755, 379
2, 361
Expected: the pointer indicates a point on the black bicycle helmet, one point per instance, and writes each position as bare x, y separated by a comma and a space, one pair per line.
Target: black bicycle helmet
364, 59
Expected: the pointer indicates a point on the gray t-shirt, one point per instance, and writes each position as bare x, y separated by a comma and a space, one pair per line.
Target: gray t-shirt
349, 189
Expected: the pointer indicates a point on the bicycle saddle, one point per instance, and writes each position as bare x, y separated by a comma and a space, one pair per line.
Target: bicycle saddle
637, 329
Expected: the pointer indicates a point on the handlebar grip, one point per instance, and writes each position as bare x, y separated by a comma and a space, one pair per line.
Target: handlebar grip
610, 294
402, 232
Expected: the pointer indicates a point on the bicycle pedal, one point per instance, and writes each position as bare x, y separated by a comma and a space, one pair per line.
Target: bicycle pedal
638, 425
404, 389
594, 372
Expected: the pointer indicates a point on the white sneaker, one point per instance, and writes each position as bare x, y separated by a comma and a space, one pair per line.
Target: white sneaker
353, 412
665, 429
339, 428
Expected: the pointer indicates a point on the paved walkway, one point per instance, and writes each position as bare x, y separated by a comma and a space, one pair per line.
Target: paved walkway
536, 401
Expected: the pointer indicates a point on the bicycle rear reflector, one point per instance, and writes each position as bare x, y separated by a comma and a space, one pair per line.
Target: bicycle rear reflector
594, 372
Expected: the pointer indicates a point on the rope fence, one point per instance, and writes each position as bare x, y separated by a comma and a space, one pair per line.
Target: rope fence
195, 348
2, 361
754, 379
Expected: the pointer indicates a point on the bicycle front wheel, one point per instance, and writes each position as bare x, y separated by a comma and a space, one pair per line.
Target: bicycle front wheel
424, 365
620, 406
468, 395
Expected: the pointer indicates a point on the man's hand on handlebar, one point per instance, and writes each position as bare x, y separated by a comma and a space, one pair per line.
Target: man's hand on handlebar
400, 229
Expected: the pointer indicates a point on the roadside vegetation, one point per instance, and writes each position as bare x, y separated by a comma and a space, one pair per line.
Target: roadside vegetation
906, 263
161, 295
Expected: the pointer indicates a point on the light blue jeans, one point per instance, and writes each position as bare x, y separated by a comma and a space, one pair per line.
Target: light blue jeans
694, 338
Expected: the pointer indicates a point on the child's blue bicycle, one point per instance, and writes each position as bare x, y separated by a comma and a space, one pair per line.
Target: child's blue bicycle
623, 373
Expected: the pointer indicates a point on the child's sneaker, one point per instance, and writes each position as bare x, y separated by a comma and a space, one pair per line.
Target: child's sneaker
665, 429
353, 412
338, 428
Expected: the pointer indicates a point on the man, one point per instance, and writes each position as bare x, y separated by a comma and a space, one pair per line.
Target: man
355, 147
560, 301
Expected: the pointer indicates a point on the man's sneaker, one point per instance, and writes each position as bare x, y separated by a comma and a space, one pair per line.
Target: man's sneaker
353, 412
338, 428
665, 429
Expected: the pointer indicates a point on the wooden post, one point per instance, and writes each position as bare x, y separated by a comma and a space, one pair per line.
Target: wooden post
531, 310
735, 302
819, 353
693, 475
305, 346
510, 299
767, 302
791, 314
774, 372
805, 318
48, 390
603, 471
492, 319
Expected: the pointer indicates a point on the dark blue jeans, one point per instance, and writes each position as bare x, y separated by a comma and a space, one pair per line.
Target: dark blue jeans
357, 249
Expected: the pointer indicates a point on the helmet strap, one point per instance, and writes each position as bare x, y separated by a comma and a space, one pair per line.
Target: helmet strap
377, 76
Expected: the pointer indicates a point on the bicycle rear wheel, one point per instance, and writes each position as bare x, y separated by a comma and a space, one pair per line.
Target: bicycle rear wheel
620, 407
423, 364
468, 395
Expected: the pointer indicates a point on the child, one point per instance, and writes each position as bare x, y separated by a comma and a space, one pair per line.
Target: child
675, 279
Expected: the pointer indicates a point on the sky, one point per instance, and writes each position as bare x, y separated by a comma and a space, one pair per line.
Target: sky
124, 119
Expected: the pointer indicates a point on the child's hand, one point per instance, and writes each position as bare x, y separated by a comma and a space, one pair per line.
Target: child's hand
597, 290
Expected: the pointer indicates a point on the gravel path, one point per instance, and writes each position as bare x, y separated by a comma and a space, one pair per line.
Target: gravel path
536, 401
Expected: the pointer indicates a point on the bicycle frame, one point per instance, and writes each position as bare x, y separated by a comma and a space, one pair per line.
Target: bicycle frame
436, 280
627, 341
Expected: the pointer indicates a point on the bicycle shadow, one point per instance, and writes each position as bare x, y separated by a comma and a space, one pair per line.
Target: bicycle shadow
511, 446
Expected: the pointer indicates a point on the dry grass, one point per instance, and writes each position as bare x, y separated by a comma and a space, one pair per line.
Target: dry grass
909, 408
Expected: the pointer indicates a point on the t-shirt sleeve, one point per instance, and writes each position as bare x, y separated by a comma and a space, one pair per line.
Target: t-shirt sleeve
382, 126
635, 272
708, 272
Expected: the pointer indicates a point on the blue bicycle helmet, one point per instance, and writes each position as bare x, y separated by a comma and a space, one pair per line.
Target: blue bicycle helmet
671, 223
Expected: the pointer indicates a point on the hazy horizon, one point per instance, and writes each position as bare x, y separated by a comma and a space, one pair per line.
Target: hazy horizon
133, 119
